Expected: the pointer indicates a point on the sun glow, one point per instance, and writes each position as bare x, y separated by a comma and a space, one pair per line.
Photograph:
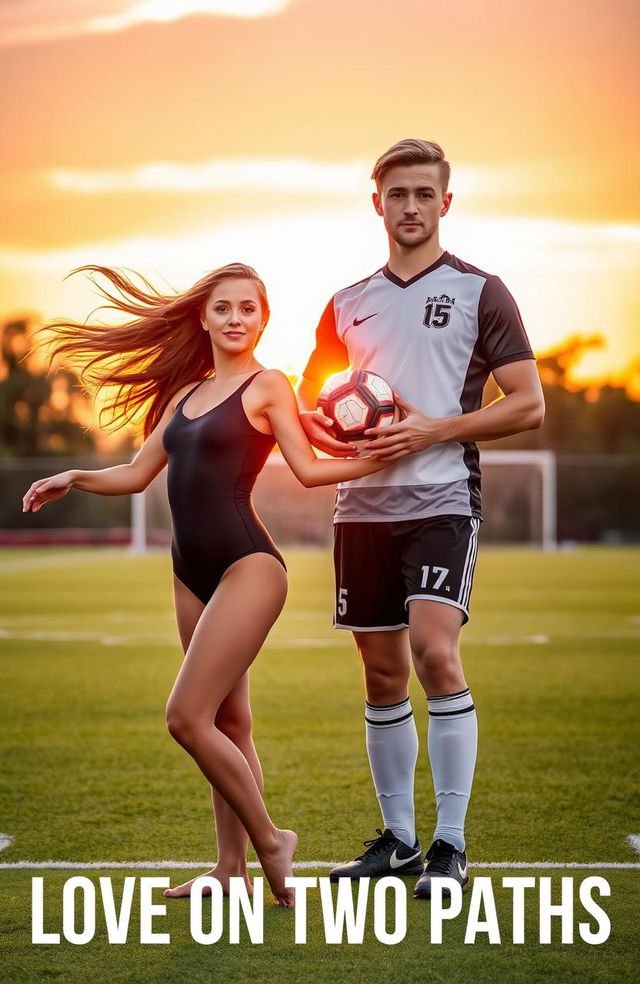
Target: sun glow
306, 256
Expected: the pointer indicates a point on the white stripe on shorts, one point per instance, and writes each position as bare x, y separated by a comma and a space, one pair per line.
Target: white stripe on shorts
467, 573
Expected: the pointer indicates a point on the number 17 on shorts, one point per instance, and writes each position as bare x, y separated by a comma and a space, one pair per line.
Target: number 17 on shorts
381, 567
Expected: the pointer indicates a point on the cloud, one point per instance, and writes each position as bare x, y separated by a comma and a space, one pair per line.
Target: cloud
288, 175
33, 21
266, 174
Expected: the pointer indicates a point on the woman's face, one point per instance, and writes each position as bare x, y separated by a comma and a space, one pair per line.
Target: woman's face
233, 316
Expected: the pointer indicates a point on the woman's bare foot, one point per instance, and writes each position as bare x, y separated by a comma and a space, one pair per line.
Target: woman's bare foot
221, 874
277, 865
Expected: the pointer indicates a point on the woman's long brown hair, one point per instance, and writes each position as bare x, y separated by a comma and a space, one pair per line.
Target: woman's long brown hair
150, 357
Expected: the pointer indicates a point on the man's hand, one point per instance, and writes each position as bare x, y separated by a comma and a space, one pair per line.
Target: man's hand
316, 427
413, 432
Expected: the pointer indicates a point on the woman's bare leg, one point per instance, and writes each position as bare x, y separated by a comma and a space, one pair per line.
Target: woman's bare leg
234, 719
226, 639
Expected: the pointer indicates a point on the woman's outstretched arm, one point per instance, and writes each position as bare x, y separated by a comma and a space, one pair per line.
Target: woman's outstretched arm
281, 410
118, 480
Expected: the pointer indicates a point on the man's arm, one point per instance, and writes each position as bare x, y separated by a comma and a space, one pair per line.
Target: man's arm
329, 355
307, 393
520, 408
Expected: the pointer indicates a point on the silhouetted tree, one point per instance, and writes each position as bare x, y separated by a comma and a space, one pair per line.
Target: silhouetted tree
37, 411
589, 420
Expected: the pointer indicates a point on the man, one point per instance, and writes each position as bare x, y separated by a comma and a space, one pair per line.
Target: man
406, 538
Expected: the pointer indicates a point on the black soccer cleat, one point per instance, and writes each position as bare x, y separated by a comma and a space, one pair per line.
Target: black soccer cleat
442, 860
386, 855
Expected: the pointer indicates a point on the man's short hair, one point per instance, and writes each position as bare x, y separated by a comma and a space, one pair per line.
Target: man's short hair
412, 151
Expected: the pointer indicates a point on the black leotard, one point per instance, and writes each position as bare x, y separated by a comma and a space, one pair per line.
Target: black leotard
214, 460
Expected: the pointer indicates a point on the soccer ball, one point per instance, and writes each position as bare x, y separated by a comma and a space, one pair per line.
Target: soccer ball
357, 399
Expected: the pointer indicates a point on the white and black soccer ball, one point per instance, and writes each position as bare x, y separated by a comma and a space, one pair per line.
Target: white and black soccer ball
357, 399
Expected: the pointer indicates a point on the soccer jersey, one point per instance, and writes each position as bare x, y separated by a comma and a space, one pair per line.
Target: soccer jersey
435, 338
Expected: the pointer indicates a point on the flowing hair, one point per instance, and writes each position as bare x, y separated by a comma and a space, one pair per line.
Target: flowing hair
155, 353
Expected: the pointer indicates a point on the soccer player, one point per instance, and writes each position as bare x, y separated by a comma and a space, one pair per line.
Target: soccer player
435, 328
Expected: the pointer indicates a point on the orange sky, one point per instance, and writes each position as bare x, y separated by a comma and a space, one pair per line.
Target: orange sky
175, 147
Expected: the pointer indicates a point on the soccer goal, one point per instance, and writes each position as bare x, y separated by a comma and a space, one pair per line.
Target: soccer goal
518, 492
519, 497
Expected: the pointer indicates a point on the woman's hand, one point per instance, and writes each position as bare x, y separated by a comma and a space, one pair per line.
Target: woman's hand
47, 490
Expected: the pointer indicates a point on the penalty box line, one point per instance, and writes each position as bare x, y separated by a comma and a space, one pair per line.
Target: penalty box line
301, 865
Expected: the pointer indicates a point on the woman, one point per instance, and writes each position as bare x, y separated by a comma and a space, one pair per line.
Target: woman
215, 429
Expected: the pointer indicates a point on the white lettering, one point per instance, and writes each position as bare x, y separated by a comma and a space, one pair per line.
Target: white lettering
482, 896
589, 885
564, 910
399, 912
117, 925
213, 934
438, 912
38, 934
518, 886
253, 912
88, 910
148, 910
301, 885
344, 914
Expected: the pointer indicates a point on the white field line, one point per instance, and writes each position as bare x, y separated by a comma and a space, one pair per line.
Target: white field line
50, 621
206, 865
135, 639
56, 629
532, 640
317, 642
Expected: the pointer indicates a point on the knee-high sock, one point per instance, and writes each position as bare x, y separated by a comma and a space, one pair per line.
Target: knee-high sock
453, 741
392, 746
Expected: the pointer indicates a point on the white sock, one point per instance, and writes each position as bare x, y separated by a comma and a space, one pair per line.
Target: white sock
392, 747
453, 742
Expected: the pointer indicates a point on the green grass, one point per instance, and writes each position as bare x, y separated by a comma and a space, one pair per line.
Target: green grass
89, 653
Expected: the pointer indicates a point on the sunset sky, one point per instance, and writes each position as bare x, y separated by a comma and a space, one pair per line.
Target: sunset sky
172, 137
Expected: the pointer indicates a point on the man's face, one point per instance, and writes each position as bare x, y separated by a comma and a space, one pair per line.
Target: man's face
411, 201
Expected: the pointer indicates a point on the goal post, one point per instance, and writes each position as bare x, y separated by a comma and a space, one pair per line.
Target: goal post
545, 462
138, 543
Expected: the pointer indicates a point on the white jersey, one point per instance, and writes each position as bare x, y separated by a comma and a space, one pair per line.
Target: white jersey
435, 339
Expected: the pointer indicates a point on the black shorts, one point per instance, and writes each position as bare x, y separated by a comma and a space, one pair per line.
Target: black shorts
380, 567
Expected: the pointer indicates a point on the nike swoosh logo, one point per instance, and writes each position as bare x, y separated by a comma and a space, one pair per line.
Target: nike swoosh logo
462, 871
396, 862
359, 321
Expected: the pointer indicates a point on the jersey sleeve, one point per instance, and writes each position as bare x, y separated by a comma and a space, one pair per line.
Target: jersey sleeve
330, 353
502, 333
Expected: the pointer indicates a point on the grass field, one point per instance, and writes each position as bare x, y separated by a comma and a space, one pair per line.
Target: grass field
89, 652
